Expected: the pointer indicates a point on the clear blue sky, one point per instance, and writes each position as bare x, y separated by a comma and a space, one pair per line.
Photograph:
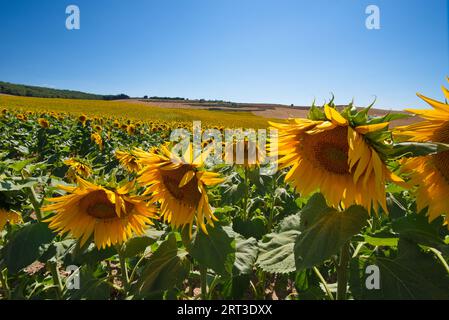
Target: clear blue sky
279, 51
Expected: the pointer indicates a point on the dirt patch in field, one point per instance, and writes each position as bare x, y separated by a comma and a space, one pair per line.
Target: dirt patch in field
271, 111
282, 113
196, 104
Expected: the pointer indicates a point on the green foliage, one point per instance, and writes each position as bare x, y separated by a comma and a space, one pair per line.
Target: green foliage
26, 246
42, 92
93, 286
276, 252
415, 149
165, 268
245, 255
416, 228
253, 228
215, 250
137, 245
408, 273
381, 241
325, 230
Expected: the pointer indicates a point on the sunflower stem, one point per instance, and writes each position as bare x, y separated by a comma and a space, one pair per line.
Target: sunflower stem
273, 204
441, 258
213, 285
35, 203
131, 277
124, 269
53, 266
4, 282
325, 285
376, 223
203, 277
246, 195
342, 271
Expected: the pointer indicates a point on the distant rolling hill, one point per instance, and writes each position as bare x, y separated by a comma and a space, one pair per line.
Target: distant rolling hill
43, 92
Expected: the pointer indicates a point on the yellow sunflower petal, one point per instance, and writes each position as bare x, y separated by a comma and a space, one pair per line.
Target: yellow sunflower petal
446, 92
186, 178
371, 127
334, 116
434, 103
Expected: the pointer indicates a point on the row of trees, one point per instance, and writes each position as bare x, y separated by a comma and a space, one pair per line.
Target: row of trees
43, 92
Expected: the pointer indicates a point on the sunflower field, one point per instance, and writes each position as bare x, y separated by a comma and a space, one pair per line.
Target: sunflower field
96, 205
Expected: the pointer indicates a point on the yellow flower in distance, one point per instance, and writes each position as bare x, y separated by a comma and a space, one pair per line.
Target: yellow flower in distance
82, 119
77, 168
129, 160
43, 123
111, 216
131, 129
8, 216
430, 173
333, 157
96, 137
179, 185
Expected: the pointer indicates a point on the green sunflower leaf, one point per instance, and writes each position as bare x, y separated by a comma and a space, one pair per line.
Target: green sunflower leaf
27, 245
215, 250
276, 252
415, 149
324, 231
166, 267
409, 273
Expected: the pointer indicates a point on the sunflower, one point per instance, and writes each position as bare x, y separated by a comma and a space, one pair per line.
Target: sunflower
8, 216
77, 168
129, 160
335, 157
43, 123
82, 119
179, 185
430, 173
96, 137
111, 216
131, 129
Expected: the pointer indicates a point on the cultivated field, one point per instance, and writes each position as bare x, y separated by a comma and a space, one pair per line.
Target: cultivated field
133, 111
95, 204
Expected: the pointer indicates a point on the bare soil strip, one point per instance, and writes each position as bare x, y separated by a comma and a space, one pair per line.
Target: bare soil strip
272, 111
